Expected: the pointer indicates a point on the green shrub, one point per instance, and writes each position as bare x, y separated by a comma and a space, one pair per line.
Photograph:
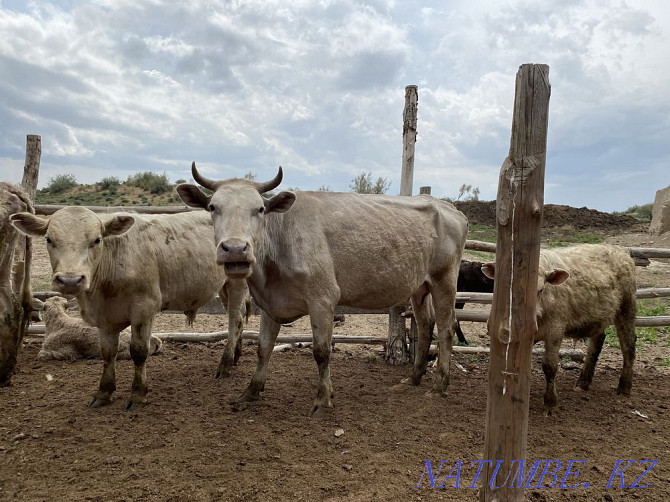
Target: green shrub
151, 182
110, 183
61, 182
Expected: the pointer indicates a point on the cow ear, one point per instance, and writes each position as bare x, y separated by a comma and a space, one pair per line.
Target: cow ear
193, 196
556, 276
489, 270
280, 203
29, 224
117, 225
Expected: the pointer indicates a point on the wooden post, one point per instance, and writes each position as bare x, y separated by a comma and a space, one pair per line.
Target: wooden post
396, 349
408, 139
31, 171
512, 324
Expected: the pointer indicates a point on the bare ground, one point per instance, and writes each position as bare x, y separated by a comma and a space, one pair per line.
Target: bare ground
189, 444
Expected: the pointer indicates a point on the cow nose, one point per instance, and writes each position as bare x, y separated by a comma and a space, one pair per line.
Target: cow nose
70, 283
234, 250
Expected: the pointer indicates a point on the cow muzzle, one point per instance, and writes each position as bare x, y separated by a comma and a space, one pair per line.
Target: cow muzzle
69, 284
236, 256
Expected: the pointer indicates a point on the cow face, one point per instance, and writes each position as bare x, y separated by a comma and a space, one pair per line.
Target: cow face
554, 276
75, 237
238, 211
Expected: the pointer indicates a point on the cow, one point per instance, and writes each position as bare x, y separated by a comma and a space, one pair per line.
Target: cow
471, 279
15, 292
68, 338
305, 253
125, 268
581, 290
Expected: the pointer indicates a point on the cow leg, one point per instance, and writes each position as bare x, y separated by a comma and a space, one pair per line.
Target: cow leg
233, 293
423, 324
625, 330
321, 319
444, 294
552, 345
139, 351
109, 345
596, 340
459, 332
266, 342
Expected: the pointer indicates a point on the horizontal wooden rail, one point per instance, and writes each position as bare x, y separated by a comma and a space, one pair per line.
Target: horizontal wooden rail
49, 209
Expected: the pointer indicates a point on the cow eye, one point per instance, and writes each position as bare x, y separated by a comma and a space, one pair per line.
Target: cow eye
97, 241
48, 240
211, 208
261, 210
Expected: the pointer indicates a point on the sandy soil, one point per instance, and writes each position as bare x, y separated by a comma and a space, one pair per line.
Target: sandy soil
189, 444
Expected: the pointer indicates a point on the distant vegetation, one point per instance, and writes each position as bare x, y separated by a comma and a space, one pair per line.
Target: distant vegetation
642, 213
144, 188
61, 183
363, 184
150, 182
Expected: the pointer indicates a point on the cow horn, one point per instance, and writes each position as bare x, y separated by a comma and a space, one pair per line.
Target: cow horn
207, 183
272, 184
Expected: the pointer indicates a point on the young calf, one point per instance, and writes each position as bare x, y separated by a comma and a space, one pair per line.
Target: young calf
68, 338
582, 290
125, 268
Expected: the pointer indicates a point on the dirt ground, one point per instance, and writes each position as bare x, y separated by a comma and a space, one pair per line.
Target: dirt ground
189, 444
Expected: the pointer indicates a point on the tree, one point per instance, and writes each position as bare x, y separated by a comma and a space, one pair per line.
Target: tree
472, 193
363, 184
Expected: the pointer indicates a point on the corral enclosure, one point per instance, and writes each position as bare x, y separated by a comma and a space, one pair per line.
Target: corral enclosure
189, 444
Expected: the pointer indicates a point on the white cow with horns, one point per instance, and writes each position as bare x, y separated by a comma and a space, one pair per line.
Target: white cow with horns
125, 268
307, 252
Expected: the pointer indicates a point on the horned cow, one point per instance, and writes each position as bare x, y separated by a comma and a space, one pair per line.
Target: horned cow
68, 338
582, 290
307, 252
125, 268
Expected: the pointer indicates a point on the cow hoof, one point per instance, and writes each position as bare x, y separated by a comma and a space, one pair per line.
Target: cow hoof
579, 388
319, 411
548, 412
99, 402
134, 405
246, 398
406, 381
241, 406
435, 393
223, 374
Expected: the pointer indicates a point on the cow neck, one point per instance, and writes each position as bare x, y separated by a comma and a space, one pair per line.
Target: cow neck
260, 281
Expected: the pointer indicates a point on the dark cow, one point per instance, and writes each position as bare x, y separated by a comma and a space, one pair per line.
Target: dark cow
471, 279
306, 252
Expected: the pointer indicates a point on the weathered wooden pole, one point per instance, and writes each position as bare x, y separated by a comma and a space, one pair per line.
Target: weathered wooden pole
512, 324
409, 116
397, 351
31, 171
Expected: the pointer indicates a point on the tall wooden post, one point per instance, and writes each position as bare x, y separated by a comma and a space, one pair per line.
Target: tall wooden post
31, 171
408, 138
397, 351
512, 324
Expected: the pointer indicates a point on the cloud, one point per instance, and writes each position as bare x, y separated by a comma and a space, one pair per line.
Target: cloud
317, 86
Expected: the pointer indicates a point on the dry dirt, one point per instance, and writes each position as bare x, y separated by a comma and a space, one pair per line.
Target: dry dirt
188, 443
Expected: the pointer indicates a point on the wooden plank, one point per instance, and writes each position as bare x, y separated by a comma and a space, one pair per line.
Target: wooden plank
49, 209
488, 247
512, 325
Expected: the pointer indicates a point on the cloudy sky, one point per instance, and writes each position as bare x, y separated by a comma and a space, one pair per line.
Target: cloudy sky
116, 87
